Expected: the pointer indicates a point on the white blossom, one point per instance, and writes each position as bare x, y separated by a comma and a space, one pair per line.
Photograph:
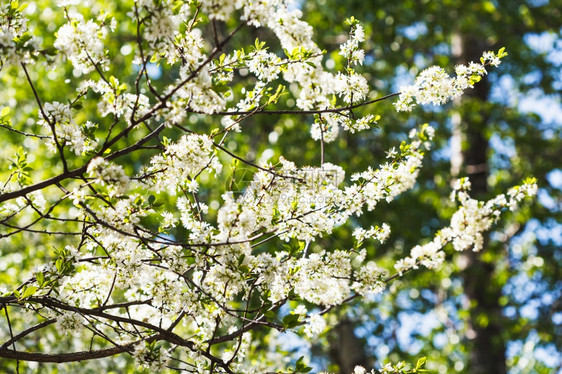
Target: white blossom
110, 174
13, 26
69, 322
350, 49
183, 161
150, 358
60, 123
467, 227
434, 86
82, 43
315, 325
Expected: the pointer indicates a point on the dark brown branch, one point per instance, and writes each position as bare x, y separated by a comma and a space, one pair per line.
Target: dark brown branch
163, 334
24, 133
64, 357
312, 111
255, 165
256, 322
46, 183
51, 124
26, 332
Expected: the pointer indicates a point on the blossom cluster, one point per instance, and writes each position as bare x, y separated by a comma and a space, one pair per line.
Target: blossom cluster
379, 233
434, 86
326, 126
58, 118
350, 49
17, 45
115, 100
82, 42
468, 224
181, 163
151, 358
313, 204
105, 172
68, 322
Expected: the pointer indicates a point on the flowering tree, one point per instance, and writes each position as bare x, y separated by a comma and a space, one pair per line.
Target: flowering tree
145, 234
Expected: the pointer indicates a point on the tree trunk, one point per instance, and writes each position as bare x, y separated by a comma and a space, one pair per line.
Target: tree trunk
487, 353
346, 349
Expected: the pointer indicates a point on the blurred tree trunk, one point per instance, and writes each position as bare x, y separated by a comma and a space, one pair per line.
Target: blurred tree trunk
487, 354
346, 349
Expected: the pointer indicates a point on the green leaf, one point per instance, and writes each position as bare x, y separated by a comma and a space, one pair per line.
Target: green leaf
151, 199
25, 37
176, 6
121, 88
50, 51
5, 111
290, 321
351, 21
221, 89
40, 278
280, 90
28, 292
241, 259
113, 81
421, 362
301, 367
244, 269
502, 53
